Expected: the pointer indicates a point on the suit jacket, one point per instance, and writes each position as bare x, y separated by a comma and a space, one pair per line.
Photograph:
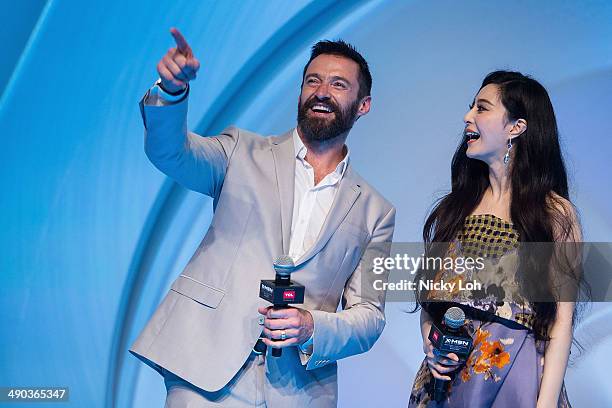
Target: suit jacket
206, 326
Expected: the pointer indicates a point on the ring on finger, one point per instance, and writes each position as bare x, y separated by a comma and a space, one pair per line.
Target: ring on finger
283, 335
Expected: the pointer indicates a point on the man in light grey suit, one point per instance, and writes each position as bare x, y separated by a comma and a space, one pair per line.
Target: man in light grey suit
294, 194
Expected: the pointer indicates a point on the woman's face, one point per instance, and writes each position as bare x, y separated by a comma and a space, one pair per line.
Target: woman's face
487, 128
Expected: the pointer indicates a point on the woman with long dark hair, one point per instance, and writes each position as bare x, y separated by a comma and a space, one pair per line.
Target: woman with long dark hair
509, 189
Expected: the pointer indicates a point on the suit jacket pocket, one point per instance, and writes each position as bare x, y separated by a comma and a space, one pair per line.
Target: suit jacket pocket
200, 292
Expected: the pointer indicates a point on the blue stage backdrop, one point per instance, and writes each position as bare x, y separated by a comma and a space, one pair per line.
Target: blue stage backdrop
92, 234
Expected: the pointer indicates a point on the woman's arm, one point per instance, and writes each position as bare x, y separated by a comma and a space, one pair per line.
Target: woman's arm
425, 326
558, 348
556, 356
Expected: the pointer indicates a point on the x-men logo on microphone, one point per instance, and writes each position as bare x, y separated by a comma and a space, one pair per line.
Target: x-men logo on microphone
456, 342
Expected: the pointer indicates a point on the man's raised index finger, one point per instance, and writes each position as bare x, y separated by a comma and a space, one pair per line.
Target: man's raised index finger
181, 43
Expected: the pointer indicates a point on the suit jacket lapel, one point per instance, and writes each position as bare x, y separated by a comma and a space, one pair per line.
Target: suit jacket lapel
347, 193
283, 152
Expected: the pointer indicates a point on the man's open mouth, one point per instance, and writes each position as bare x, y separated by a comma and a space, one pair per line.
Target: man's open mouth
322, 108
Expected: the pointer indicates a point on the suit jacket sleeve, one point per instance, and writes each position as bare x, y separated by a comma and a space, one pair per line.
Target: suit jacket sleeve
197, 163
356, 328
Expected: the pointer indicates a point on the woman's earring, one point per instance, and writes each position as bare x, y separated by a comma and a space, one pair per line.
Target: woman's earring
507, 155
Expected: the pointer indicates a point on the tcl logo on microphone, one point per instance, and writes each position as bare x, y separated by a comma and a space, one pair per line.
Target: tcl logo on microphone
289, 295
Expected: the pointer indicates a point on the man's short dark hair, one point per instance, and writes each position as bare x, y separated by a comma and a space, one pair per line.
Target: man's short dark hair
346, 50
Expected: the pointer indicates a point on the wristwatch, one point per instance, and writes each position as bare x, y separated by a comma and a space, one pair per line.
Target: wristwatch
171, 97
176, 93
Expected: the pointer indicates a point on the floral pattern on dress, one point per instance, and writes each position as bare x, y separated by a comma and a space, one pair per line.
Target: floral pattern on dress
486, 356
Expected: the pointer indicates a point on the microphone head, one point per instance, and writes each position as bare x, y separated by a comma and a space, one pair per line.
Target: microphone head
454, 317
283, 265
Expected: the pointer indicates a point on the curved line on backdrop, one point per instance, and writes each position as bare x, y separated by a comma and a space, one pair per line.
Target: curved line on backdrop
25, 53
296, 34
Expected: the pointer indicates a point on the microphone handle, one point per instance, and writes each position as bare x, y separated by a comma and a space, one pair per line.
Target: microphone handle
277, 352
439, 389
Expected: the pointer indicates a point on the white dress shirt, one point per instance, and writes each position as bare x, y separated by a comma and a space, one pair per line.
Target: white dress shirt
311, 203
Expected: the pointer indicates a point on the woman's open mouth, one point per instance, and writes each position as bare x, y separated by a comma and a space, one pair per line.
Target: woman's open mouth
471, 136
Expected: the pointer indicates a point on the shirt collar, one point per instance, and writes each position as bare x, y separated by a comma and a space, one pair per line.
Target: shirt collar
301, 150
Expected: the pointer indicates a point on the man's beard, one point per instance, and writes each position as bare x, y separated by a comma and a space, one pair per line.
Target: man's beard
322, 129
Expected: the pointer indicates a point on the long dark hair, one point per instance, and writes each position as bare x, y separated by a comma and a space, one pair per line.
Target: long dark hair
538, 183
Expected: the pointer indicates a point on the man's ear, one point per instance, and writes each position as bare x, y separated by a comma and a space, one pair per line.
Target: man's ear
364, 106
519, 127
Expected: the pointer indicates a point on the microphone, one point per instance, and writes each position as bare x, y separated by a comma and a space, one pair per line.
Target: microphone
281, 292
450, 337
